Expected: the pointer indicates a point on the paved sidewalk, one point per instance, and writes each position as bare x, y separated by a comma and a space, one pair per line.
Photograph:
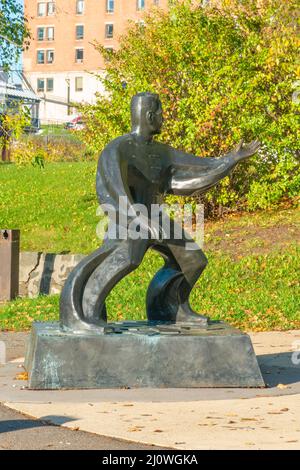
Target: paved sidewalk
15, 343
181, 418
18, 432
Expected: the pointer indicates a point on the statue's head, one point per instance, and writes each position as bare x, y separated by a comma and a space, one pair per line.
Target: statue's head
146, 113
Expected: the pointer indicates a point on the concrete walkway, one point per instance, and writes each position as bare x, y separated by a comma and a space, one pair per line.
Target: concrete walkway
181, 418
18, 432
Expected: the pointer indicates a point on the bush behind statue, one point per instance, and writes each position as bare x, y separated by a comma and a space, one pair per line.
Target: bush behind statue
27, 149
224, 72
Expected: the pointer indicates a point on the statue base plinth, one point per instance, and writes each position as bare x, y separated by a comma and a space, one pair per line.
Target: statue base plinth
141, 354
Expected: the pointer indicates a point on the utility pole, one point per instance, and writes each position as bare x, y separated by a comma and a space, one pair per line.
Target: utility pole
68, 81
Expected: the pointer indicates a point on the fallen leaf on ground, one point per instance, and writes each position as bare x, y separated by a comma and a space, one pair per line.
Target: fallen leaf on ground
249, 419
207, 424
22, 376
282, 386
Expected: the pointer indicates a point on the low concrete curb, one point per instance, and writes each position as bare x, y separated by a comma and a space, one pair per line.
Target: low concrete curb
45, 273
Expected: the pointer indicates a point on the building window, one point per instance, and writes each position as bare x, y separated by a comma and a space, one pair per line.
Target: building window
79, 7
79, 55
50, 33
110, 6
109, 31
156, 2
42, 9
50, 8
40, 57
78, 83
41, 34
50, 84
40, 84
140, 5
80, 31
50, 56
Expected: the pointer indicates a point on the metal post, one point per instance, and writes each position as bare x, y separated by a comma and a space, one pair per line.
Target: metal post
69, 95
9, 264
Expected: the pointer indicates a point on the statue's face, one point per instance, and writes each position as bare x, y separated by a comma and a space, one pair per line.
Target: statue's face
159, 118
155, 119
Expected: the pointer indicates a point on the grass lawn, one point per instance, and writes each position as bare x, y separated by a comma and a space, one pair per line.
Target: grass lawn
57, 130
253, 276
54, 208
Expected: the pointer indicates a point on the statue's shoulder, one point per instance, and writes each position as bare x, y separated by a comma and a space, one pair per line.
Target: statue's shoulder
164, 147
117, 144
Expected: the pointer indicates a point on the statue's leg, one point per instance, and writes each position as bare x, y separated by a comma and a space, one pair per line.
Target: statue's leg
126, 257
192, 264
82, 304
71, 311
169, 291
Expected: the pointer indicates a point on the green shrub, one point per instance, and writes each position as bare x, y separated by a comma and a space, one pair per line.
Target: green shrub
38, 161
51, 149
284, 180
224, 72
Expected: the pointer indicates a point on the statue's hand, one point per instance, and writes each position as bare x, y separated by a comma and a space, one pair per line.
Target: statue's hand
243, 151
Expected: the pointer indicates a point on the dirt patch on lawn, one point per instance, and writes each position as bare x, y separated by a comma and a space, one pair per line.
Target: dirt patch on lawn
243, 241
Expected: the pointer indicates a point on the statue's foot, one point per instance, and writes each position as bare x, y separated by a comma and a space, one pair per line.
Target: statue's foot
80, 326
187, 315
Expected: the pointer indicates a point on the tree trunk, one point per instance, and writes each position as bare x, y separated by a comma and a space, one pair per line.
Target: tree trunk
5, 150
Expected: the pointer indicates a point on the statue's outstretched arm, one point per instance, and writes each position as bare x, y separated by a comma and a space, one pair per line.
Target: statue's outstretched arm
189, 174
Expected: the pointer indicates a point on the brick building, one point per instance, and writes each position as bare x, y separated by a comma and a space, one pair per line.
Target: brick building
60, 59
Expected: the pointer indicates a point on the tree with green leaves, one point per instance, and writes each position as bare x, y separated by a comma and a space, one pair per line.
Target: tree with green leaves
12, 126
14, 36
14, 32
225, 71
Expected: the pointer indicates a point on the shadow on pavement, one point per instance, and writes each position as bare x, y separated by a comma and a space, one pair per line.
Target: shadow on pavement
22, 424
279, 368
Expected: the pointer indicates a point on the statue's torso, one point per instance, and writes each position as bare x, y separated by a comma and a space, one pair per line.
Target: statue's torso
145, 171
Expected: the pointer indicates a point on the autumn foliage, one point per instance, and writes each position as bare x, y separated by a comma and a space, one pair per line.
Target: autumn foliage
224, 71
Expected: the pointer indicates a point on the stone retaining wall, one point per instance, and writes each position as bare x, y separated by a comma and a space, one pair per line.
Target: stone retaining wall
44, 273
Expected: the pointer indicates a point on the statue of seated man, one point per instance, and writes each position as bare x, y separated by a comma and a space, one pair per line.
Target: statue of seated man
138, 170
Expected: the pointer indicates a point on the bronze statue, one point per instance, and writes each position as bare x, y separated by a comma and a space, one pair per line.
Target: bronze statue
141, 171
